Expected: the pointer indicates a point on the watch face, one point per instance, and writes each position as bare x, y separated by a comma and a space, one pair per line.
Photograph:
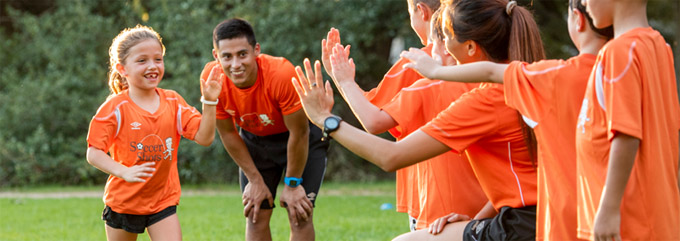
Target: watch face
331, 123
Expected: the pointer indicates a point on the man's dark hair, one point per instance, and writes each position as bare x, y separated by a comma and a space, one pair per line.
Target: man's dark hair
234, 28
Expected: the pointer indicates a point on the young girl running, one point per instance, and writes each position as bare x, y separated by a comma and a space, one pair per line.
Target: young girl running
411, 108
550, 93
478, 123
140, 126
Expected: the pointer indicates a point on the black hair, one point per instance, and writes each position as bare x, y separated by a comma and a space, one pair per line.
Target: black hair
503, 33
607, 32
234, 28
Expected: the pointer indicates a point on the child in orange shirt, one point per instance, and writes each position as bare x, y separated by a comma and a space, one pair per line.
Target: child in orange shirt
140, 126
549, 94
478, 123
410, 109
627, 133
420, 16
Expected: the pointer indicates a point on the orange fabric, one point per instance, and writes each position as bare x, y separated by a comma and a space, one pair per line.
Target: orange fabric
395, 79
549, 93
489, 132
632, 90
445, 183
133, 136
259, 109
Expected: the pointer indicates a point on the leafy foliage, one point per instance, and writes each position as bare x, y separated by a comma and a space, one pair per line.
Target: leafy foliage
54, 66
55, 69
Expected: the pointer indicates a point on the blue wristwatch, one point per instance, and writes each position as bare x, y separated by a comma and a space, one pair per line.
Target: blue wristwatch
292, 181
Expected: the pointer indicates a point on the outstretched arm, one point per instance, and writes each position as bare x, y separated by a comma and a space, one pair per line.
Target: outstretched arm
211, 90
317, 102
373, 119
481, 71
332, 39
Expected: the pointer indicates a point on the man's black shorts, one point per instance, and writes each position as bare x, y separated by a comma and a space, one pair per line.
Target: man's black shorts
269, 155
509, 224
135, 223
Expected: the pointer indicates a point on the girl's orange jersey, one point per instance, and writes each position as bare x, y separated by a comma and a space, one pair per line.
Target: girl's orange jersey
394, 80
259, 109
438, 188
133, 136
632, 90
549, 93
490, 133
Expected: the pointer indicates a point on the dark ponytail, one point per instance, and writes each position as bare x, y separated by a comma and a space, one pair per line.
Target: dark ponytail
525, 42
505, 32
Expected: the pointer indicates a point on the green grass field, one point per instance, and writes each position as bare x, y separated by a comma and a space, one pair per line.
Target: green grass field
343, 212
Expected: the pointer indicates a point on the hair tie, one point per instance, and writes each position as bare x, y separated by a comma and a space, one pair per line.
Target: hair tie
509, 7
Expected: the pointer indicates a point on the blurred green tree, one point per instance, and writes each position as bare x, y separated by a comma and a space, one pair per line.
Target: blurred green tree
54, 69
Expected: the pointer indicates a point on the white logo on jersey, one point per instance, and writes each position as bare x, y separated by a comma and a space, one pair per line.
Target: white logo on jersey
135, 125
265, 120
168, 148
152, 148
582, 117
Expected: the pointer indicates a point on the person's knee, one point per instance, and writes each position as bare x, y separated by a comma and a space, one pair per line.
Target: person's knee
262, 223
301, 225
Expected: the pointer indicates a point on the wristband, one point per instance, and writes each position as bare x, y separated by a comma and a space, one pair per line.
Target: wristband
207, 102
292, 181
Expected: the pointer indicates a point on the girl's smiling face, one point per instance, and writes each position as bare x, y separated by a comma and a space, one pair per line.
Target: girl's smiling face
143, 68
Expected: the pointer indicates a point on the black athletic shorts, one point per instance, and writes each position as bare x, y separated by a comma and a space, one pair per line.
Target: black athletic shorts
509, 224
269, 155
135, 223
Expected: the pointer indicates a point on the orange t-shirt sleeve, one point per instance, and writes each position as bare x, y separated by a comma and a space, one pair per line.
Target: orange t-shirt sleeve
188, 119
103, 127
406, 108
467, 120
528, 87
620, 88
283, 91
395, 79
220, 113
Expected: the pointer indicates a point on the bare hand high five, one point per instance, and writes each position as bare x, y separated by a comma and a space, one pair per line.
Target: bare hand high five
317, 101
422, 62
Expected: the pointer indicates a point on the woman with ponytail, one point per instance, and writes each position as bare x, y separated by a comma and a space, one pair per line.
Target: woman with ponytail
549, 92
479, 124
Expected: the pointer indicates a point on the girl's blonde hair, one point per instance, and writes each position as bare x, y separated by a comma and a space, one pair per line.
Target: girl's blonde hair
120, 50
